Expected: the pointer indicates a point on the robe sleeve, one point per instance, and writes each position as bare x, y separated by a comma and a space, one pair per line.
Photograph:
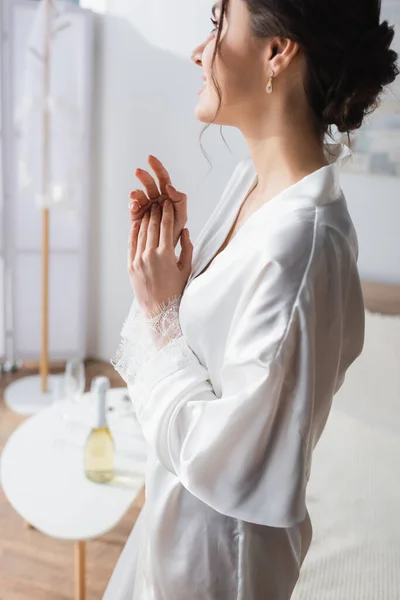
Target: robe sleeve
244, 453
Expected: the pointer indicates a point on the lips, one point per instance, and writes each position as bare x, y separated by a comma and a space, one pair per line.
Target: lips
204, 86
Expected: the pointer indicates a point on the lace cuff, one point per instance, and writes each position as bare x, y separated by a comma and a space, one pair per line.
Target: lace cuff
153, 347
163, 324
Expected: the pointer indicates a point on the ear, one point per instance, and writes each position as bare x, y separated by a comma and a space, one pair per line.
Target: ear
280, 52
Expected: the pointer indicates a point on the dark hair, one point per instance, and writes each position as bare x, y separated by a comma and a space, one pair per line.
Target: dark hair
348, 54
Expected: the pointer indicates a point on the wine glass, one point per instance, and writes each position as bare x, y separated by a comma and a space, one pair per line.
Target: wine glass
60, 396
74, 379
63, 400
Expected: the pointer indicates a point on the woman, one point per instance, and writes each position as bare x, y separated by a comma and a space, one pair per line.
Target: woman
233, 354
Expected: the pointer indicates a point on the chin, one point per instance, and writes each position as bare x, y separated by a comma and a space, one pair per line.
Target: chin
206, 109
205, 116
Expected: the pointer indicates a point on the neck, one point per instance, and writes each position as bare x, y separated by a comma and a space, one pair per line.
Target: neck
283, 151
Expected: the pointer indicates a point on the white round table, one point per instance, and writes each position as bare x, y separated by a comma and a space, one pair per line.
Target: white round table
43, 477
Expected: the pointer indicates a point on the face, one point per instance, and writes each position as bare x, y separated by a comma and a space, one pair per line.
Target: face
241, 69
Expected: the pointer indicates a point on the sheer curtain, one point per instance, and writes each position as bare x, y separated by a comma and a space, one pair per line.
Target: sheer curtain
72, 81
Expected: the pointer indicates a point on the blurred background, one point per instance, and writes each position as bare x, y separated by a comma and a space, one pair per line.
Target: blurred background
87, 91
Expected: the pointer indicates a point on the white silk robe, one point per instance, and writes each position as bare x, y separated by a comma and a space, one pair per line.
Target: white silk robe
233, 408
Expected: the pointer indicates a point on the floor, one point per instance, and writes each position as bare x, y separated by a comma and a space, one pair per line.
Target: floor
35, 567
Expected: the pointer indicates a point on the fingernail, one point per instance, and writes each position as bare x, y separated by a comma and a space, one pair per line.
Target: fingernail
135, 206
167, 202
154, 206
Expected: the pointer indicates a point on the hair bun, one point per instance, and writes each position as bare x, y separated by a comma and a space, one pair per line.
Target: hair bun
370, 65
384, 35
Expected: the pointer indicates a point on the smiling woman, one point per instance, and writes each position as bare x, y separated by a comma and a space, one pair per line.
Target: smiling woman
233, 375
348, 59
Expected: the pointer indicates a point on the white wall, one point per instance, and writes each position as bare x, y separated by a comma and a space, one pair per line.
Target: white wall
374, 204
145, 101
146, 94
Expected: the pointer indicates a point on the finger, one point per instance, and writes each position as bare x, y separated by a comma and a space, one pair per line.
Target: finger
141, 245
142, 203
186, 254
160, 171
167, 226
139, 196
153, 231
174, 194
132, 243
147, 180
136, 214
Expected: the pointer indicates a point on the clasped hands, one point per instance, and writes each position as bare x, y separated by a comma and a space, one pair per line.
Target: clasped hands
158, 222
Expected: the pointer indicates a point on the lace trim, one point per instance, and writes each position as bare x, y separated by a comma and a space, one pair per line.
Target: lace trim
164, 322
152, 348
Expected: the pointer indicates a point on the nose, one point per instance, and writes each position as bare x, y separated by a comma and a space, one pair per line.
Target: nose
197, 54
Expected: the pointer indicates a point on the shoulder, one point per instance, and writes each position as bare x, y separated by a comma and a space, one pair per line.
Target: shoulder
304, 250
289, 239
295, 234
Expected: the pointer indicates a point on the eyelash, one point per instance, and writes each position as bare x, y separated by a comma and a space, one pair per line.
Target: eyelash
215, 23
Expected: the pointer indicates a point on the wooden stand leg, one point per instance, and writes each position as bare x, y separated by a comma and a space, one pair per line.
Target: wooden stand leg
80, 568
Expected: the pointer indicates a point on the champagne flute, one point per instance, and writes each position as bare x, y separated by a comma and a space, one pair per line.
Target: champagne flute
62, 404
75, 379
59, 396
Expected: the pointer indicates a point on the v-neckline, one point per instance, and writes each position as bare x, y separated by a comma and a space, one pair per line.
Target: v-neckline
222, 232
219, 239
236, 214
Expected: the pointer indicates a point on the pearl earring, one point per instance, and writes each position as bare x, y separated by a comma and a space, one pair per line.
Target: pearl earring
269, 86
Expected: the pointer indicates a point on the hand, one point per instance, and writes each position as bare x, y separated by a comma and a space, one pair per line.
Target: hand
154, 194
154, 272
